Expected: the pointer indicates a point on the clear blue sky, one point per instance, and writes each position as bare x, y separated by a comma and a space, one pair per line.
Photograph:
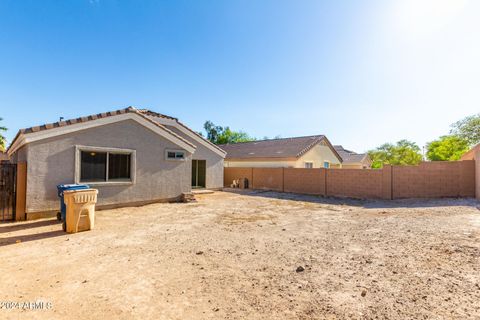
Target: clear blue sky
361, 72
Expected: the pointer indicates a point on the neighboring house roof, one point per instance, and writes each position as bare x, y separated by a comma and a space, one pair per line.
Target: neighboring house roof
275, 148
349, 156
470, 155
44, 131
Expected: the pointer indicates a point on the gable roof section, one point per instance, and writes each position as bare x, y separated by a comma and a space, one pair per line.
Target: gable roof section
45, 131
349, 156
275, 148
174, 122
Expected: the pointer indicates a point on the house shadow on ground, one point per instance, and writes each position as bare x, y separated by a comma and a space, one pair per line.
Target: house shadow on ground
363, 203
28, 231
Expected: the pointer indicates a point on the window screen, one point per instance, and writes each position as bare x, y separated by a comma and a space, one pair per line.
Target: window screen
93, 166
175, 155
118, 166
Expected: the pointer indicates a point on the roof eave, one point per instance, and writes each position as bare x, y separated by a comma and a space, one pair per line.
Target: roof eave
25, 138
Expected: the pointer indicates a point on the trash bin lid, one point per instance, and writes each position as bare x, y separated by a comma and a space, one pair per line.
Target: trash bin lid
73, 186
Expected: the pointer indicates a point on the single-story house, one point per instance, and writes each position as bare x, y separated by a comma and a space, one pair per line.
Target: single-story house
353, 160
131, 156
297, 152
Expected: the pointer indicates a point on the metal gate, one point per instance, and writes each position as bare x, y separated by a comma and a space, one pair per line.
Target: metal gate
7, 191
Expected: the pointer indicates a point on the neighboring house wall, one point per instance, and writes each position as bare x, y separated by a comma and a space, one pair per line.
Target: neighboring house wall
261, 164
318, 155
214, 172
52, 162
352, 166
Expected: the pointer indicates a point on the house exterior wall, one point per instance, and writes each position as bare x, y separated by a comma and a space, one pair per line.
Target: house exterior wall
215, 164
52, 162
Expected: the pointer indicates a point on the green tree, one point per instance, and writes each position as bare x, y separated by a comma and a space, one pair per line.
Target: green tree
468, 129
404, 152
3, 140
447, 148
222, 135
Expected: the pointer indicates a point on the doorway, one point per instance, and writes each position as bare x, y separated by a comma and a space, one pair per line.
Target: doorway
199, 172
7, 191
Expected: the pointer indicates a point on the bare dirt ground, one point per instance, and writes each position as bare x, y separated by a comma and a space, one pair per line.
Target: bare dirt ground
235, 256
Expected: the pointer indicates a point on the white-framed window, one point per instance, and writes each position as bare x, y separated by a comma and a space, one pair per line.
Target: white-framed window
309, 165
326, 164
104, 166
176, 155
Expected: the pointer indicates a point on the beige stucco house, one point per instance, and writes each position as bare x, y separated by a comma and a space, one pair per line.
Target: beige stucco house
131, 156
297, 152
353, 160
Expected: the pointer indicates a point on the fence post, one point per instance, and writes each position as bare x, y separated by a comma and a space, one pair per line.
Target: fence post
387, 182
476, 158
252, 184
21, 191
325, 177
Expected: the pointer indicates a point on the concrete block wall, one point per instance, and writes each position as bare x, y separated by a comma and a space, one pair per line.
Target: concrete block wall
477, 173
231, 174
267, 178
428, 180
434, 180
306, 181
355, 183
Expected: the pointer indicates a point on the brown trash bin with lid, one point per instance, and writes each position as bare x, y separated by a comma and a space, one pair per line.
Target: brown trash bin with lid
80, 209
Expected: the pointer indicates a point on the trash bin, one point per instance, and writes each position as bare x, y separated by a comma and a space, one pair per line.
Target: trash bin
60, 189
80, 213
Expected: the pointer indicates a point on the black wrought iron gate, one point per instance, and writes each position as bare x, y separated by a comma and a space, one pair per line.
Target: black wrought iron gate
7, 191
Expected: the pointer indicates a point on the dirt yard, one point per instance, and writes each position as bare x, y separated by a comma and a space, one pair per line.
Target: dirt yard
256, 255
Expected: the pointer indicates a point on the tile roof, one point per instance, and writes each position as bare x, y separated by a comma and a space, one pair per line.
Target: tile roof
274, 148
349, 156
63, 123
77, 120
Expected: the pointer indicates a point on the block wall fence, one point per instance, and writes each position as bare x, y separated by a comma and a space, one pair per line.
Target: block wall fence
427, 180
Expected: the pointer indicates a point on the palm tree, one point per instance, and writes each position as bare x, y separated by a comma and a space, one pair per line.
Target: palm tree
2, 137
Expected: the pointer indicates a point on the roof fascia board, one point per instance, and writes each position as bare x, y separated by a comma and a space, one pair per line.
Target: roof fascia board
41, 135
183, 129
